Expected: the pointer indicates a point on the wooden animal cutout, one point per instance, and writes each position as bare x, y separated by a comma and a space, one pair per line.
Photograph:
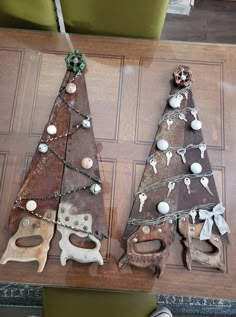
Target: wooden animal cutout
192, 231
30, 227
164, 233
68, 214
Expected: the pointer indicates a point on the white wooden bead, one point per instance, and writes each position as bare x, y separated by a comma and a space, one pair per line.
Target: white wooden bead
162, 145
196, 168
87, 163
43, 148
196, 125
175, 101
51, 129
163, 208
71, 88
31, 205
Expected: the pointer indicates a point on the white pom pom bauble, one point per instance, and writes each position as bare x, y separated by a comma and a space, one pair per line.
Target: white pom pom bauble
175, 101
87, 163
71, 88
86, 124
31, 205
196, 125
163, 208
43, 148
51, 129
162, 145
196, 168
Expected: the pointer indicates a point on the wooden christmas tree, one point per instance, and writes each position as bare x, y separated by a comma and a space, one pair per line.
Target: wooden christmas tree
177, 187
62, 186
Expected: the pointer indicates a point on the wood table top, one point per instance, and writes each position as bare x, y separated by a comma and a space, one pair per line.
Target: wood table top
128, 83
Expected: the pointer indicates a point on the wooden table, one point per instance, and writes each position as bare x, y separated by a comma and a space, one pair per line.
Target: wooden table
128, 83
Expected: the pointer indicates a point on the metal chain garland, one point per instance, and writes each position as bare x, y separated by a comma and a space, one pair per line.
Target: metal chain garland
171, 148
69, 165
175, 179
181, 91
174, 216
175, 114
74, 109
55, 195
72, 131
98, 235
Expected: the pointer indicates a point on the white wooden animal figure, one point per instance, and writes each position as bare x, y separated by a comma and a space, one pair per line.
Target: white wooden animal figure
29, 227
67, 214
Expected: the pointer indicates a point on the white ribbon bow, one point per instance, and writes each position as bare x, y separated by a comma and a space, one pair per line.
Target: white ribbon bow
221, 224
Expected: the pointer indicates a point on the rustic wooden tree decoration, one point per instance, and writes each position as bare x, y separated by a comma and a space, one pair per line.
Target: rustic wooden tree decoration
177, 186
64, 177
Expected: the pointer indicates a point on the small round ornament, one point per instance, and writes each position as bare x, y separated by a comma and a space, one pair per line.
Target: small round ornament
146, 229
43, 148
175, 101
183, 77
196, 168
163, 208
51, 129
86, 124
95, 189
31, 205
87, 163
162, 145
71, 88
26, 222
196, 125
76, 61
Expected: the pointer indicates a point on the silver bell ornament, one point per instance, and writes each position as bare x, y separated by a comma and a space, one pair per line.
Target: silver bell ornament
95, 189
196, 125
175, 101
43, 148
86, 124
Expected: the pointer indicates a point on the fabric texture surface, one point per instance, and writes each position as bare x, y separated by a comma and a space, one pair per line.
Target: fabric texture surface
28, 14
133, 18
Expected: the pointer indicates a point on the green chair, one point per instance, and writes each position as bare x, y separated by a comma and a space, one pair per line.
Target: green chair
68, 302
131, 18
28, 14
